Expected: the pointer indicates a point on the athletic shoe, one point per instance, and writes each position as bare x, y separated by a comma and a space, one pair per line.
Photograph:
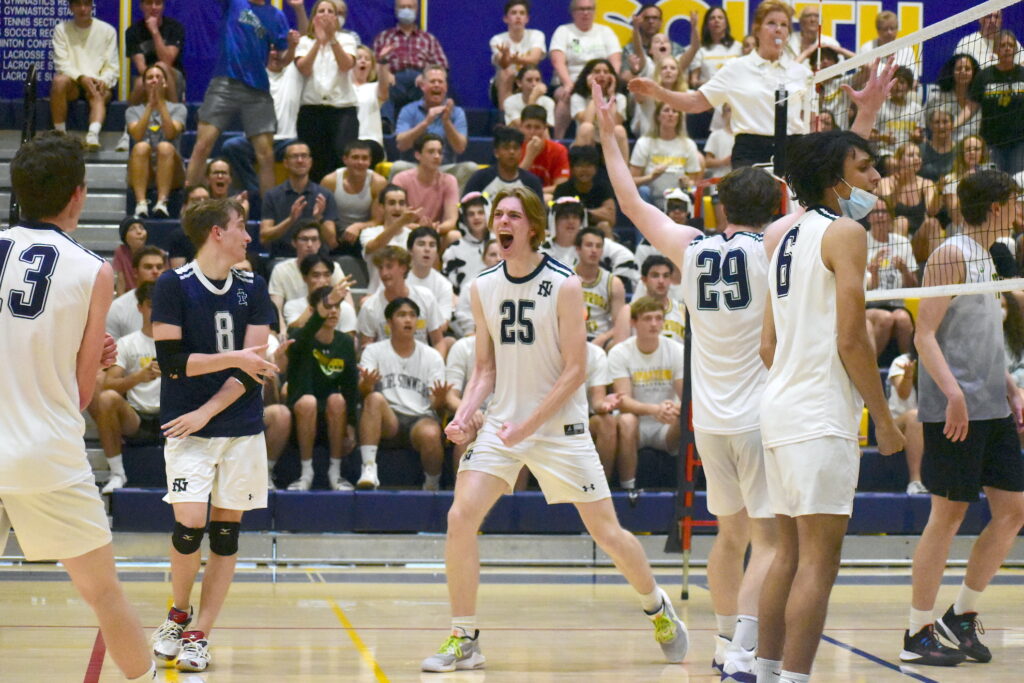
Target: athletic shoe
916, 488
739, 664
721, 645
342, 484
963, 630
669, 631
633, 496
160, 210
457, 653
92, 142
428, 486
141, 209
300, 484
924, 648
195, 652
124, 143
116, 481
167, 639
270, 481
368, 478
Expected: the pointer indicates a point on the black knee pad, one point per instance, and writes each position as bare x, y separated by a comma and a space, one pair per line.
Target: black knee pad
224, 537
187, 540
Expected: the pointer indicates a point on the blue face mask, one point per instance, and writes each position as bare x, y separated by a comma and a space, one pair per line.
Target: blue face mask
858, 205
406, 15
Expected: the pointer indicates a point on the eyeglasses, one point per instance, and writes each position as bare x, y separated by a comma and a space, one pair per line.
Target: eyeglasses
585, 9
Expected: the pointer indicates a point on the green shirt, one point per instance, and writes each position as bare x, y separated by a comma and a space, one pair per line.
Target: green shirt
322, 369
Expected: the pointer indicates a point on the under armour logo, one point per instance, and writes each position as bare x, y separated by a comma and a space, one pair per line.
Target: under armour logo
179, 485
588, 487
468, 454
250, 496
545, 288
243, 298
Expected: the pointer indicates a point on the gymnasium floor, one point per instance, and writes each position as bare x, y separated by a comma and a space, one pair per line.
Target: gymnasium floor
375, 624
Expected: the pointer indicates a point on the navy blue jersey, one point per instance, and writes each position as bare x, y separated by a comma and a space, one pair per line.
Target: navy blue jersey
213, 316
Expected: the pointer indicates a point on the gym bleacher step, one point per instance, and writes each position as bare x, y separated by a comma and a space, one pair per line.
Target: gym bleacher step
99, 206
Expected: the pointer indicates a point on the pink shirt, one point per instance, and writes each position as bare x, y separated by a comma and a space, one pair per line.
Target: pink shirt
432, 198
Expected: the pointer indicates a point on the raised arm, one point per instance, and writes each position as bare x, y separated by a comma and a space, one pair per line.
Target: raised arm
871, 97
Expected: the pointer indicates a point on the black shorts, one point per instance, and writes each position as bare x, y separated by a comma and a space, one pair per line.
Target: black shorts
402, 439
989, 456
149, 427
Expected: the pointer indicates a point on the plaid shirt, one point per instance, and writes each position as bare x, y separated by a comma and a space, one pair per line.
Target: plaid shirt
415, 50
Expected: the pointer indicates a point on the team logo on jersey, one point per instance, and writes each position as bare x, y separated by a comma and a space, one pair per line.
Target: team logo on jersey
243, 298
573, 429
179, 486
545, 288
468, 454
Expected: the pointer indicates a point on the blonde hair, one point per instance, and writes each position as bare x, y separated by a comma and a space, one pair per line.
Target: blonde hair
766, 8
682, 83
885, 16
645, 304
371, 76
536, 216
655, 131
310, 33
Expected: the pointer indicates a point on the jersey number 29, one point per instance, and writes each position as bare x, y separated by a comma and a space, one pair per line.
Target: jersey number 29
28, 304
732, 270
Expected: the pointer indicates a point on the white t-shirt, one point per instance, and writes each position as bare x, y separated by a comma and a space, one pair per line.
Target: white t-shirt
370, 127
135, 352
899, 121
889, 276
898, 406
615, 258
327, 85
902, 57
371, 322
597, 367
405, 382
981, 49
748, 84
399, 240
439, 287
709, 60
579, 47
577, 103
720, 144
680, 154
346, 318
514, 105
286, 280
651, 375
124, 316
532, 38
459, 366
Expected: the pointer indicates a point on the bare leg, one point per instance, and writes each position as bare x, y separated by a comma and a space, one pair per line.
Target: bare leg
166, 165
475, 495
771, 621
114, 419
881, 324
997, 538
426, 439
278, 421
584, 134
376, 419
98, 107
206, 135
305, 425
337, 423
603, 428
220, 570
138, 169
763, 539
913, 433
629, 428
725, 561
563, 117
263, 146
184, 568
62, 91
622, 546
903, 329
933, 550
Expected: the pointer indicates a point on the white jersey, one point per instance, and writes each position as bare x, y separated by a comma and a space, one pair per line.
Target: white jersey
136, 351
674, 327
527, 349
724, 285
809, 395
406, 383
597, 297
370, 321
42, 320
652, 375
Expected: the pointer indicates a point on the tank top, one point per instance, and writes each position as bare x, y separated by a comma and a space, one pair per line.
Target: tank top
352, 208
597, 297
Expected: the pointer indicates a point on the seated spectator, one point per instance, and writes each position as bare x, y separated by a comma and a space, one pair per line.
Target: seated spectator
901, 118
971, 155
356, 189
545, 158
516, 49
85, 64
422, 246
584, 110
463, 322
666, 158
887, 26
403, 388
656, 283
464, 257
998, 92
529, 89
603, 293
155, 127
647, 376
717, 47
373, 88
286, 92
826, 121
679, 206
411, 51
218, 181
316, 271
937, 150
373, 322
398, 222
568, 215
155, 39
133, 236
718, 148
179, 248
647, 28
914, 200
572, 46
891, 265
328, 117
295, 199
902, 381
595, 193
431, 191
954, 95
129, 404
457, 369
286, 281
505, 173
666, 72
124, 316
809, 37
603, 422
983, 44
323, 386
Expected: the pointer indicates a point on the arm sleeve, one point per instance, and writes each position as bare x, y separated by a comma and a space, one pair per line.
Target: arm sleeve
168, 300
611, 43
532, 182
641, 153
132, 46
304, 46
716, 90
179, 112
433, 314
331, 207
407, 118
692, 160
303, 336
110, 70
577, 103
559, 161
558, 40
478, 181
451, 190
459, 120
365, 324
134, 113
436, 52
62, 62
280, 38
368, 361
535, 38
350, 378
617, 364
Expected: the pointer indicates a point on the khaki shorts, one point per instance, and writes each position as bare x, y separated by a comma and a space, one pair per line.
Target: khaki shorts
230, 472
567, 469
56, 525
734, 467
652, 434
815, 477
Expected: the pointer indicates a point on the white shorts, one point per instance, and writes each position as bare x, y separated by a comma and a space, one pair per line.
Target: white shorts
815, 477
734, 466
567, 469
652, 434
56, 525
230, 471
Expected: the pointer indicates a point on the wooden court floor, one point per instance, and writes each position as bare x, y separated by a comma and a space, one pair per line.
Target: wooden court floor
331, 624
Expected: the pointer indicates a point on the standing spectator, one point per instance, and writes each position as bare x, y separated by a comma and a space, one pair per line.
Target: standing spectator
412, 51
286, 281
248, 30
887, 26
718, 148
124, 316
430, 191
914, 201
937, 150
515, 49
954, 95
85, 64
506, 172
998, 91
572, 46
891, 265
667, 73
902, 380
179, 247
356, 189
422, 246
583, 109
328, 118
296, 198
666, 158
133, 236
545, 158
373, 88
464, 258
902, 117
717, 47
323, 386
156, 39
647, 23
593, 192
402, 383
155, 127
529, 89
982, 45
809, 37
398, 218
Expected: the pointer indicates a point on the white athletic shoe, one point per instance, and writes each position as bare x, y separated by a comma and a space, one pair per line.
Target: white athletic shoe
368, 478
141, 209
116, 481
195, 653
670, 631
916, 488
342, 484
92, 142
124, 143
428, 486
270, 481
300, 484
739, 665
721, 645
160, 210
457, 653
167, 639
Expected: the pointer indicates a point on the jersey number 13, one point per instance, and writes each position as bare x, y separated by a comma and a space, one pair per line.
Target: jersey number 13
29, 303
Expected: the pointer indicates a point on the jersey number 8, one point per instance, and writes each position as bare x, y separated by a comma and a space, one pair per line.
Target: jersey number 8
43, 259
225, 328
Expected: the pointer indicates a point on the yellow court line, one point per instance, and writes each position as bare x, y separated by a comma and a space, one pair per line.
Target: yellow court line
364, 651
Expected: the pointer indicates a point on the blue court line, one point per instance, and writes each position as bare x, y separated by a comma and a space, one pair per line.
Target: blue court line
877, 660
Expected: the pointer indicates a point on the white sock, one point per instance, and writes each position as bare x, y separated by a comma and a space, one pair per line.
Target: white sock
270, 464
966, 600
432, 479
746, 632
95, 127
369, 454
767, 670
466, 624
652, 602
334, 470
62, 127
628, 483
791, 677
919, 618
116, 465
726, 624
307, 470
148, 676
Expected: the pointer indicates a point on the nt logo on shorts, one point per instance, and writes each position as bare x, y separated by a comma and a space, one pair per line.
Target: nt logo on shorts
179, 486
